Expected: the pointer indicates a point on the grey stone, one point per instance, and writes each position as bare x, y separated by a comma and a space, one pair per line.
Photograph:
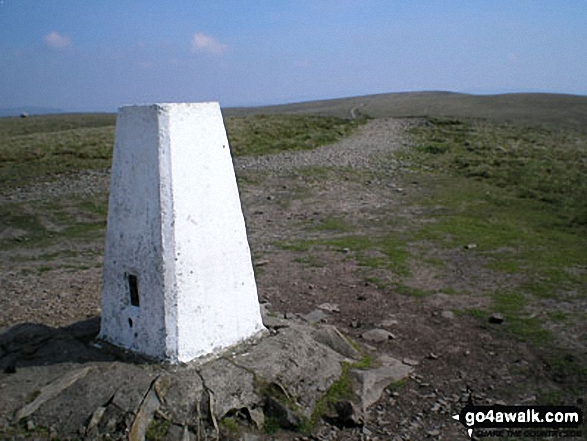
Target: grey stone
231, 385
377, 336
496, 318
149, 405
184, 397
257, 417
174, 433
132, 383
284, 416
91, 429
447, 314
294, 360
329, 307
410, 361
333, 338
348, 414
371, 383
388, 323
51, 391
315, 316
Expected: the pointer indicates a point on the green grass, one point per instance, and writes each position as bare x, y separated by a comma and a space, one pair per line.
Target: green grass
42, 223
520, 195
157, 429
539, 164
43, 154
44, 146
332, 223
266, 134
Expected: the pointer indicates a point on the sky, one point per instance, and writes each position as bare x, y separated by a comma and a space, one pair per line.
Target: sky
82, 55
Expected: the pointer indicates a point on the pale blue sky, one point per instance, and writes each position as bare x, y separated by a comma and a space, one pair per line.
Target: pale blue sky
97, 55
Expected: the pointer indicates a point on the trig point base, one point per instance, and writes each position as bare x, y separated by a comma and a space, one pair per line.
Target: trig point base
178, 276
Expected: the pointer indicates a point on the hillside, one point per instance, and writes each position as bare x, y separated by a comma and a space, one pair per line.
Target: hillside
568, 111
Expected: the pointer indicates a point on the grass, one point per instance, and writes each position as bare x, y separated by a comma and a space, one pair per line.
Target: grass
41, 223
537, 164
524, 108
341, 389
157, 429
44, 146
520, 195
267, 134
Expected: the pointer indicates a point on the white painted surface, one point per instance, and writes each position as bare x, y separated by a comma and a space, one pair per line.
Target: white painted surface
175, 221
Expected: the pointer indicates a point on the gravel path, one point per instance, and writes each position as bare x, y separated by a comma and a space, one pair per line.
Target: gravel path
377, 137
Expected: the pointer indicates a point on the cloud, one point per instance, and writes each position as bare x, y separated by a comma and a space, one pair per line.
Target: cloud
205, 43
56, 41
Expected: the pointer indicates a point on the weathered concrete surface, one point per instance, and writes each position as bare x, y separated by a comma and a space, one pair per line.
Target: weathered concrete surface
98, 391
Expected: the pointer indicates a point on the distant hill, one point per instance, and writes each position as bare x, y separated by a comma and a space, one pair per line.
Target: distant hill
17, 111
557, 110
528, 108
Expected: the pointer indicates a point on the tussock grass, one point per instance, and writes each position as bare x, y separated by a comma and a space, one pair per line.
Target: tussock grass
519, 194
539, 164
266, 134
44, 146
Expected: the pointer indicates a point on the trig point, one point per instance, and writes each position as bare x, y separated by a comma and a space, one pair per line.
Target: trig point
178, 277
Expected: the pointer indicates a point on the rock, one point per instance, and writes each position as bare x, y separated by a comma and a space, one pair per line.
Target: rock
184, 396
377, 336
176, 433
292, 359
149, 405
329, 307
232, 386
51, 391
433, 432
410, 361
372, 383
94, 421
285, 417
355, 324
432, 356
122, 398
261, 262
388, 323
446, 314
131, 384
348, 414
470, 246
315, 316
257, 417
496, 318
332, 337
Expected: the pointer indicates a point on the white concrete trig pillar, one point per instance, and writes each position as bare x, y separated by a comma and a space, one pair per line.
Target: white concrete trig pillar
178, 278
